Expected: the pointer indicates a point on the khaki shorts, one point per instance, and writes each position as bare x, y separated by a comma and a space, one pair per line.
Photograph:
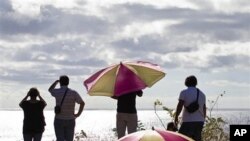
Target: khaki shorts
125, 120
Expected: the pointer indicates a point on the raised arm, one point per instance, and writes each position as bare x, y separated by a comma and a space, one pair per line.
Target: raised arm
41, 99
53, 85
24, 99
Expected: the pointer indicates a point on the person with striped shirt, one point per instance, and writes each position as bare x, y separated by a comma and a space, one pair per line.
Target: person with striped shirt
64, 122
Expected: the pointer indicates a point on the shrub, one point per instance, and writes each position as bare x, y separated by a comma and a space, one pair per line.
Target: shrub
214, 128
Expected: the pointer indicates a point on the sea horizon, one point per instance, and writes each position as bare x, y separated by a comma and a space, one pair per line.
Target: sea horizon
142, 109
93, 124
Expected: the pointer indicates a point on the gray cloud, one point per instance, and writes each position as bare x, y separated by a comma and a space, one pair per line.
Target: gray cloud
5, 6
215, 25
40, 63
194, 28
74, 41
51, 22
146, 45
218, 27
229, 61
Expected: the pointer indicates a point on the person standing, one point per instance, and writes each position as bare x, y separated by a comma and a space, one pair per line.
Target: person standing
192, 123
126, 113
34, 121
64, 122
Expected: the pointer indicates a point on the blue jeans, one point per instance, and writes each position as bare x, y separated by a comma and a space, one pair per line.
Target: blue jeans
32, 137
64, 129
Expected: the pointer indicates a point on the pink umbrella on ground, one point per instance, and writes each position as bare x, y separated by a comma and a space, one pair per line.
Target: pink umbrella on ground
155, 135
123, 78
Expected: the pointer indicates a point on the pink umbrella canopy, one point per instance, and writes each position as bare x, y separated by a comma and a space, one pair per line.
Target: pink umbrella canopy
123, 78
155, 135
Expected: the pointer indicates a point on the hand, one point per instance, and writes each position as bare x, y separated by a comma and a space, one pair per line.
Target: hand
176, 121
28, 94
53, 85
76, 115
139, 93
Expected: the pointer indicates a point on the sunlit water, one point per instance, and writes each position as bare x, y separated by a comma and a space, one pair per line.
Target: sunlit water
98, 124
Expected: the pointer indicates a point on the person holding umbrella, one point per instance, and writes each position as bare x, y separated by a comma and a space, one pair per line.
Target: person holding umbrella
126, 113
124, 82
34, 121
66, 98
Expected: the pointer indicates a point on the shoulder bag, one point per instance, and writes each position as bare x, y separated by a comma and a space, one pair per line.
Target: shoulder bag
194, 106
58, 107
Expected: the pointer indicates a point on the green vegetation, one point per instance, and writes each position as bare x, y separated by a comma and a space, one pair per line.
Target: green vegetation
214, 128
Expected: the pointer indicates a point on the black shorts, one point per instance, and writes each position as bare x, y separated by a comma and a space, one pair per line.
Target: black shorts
192, 129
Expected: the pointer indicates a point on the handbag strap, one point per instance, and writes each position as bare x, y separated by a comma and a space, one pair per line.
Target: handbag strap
197, 95
63, 97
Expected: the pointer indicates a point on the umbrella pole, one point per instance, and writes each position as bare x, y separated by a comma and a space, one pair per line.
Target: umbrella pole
159, 118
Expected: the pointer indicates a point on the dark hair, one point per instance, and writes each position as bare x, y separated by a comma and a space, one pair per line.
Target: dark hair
33, 92
191, 81
64, 80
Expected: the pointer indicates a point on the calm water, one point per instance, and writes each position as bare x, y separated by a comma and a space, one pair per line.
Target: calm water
98, 124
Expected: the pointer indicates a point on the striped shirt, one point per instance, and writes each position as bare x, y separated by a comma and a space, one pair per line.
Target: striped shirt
68, 106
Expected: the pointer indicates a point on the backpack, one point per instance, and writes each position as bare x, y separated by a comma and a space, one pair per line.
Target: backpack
194, 106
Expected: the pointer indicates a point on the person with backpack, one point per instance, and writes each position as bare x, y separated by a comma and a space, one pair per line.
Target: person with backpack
193, 103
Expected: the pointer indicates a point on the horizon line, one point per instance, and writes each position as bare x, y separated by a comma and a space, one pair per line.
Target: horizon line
139, 109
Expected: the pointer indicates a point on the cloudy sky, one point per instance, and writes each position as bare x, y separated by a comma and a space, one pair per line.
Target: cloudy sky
43, 39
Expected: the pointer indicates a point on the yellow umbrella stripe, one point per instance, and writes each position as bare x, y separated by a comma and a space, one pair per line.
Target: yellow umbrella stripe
151, 136
144, 72
108, 77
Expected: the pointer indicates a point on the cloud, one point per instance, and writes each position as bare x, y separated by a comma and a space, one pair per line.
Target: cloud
50, 22
214, 24
210, 57
5, 6
40, 40
224, 83
41, 62
173, 36
217, 26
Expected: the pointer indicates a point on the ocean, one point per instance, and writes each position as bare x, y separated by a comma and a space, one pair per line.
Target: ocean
98, 124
